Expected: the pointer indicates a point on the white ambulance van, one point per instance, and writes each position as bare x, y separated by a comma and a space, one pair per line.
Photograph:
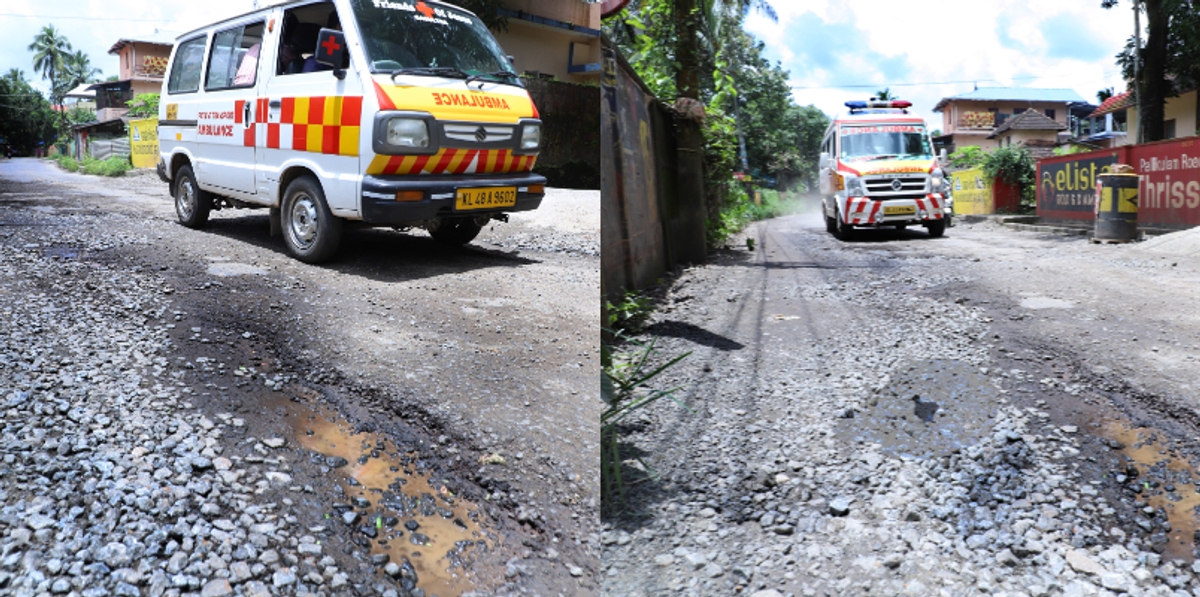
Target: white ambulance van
400, 113
877, 168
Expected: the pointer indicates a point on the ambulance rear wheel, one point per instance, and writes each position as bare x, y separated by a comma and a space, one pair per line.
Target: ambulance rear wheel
455, 231
936, 228
192, 204
310, 231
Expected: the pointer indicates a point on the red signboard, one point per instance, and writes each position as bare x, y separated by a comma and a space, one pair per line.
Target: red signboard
1168, 191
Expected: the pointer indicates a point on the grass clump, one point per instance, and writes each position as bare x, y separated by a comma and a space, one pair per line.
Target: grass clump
111, 166
625, 380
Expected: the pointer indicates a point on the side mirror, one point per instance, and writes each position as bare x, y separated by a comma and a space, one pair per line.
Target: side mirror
823, 162
942, 157
331, 50
511, 60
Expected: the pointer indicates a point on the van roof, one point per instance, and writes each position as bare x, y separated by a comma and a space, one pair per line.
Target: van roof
879, 117
272, 4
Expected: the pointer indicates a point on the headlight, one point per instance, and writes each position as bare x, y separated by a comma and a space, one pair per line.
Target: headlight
531, 137
937, 184
408, 132
854, 186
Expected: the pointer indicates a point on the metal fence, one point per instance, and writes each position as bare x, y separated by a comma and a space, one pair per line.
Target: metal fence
105, 148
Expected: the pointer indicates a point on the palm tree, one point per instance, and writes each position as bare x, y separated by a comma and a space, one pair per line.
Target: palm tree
50, 49
884, 95
79, 70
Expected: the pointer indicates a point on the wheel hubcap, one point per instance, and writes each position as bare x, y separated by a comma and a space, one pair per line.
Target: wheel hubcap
185, 199
303, 221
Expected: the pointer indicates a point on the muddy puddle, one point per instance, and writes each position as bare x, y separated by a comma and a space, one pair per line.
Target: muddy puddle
927, 409
1165, 481
399, 513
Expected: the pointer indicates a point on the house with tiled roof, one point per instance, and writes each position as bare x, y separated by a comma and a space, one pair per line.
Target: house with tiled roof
971, 118
1032, 129
1115, 121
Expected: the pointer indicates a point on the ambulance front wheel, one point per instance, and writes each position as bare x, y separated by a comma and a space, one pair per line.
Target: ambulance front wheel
936, 228
455, 231
845, 232
310, 231
192, 204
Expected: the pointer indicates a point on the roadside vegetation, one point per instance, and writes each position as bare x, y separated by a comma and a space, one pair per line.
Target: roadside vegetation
111, 166
756, 137
1013, 165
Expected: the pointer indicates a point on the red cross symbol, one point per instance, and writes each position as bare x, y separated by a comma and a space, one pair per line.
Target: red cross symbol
330, 46
424, 9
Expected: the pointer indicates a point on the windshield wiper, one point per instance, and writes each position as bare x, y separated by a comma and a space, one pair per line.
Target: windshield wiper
499, 73
430, 71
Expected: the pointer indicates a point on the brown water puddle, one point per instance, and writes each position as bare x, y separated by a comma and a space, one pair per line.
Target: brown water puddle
449, 527
1149, 449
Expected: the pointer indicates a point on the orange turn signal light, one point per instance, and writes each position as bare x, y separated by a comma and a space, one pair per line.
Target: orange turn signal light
537, 188
410, 195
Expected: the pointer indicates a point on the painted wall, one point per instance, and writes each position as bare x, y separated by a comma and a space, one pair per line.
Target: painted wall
972, 192
570, 154
143, 142
575, 12
1168, 191
548, 49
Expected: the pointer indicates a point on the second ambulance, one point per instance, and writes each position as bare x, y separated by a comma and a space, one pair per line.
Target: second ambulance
399, 113
877, 168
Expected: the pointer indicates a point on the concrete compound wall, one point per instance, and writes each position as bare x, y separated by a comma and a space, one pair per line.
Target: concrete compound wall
1168, 191
652, 193
570, 156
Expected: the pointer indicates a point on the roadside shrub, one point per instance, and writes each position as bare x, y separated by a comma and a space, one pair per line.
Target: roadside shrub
630, 313
111, 166
970, 156
66, 162
1014, 165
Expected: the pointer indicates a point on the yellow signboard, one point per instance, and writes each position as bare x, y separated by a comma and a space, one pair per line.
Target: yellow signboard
143, 142
972, 192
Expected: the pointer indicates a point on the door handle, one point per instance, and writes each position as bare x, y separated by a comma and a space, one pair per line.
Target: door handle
276, 103
246, 114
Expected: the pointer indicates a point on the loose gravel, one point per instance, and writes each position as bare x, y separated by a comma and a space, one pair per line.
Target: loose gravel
857, 430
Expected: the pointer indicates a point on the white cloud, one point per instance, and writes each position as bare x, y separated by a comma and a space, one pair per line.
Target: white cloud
947, 40
95, 25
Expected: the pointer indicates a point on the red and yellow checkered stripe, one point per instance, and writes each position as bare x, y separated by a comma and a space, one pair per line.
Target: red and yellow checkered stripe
453, 161
328, 124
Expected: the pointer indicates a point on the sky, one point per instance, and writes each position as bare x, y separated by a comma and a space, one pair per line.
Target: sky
926, 50
95, 25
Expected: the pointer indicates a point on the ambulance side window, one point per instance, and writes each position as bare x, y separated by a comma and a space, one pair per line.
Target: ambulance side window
185, 72
233, 61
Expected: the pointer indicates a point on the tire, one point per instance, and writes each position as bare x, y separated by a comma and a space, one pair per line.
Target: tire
936, 228
311, 232
192, 205
830, 223
845, 232
455, 231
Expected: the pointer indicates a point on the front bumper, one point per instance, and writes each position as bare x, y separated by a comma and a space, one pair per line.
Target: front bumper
865, 211
379, 206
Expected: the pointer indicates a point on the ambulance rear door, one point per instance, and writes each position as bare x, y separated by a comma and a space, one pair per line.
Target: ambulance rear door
225, 133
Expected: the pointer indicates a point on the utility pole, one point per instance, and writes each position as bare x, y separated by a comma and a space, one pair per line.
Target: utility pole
1137, 79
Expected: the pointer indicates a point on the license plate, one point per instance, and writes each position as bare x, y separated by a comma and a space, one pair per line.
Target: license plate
899, 210
491, 197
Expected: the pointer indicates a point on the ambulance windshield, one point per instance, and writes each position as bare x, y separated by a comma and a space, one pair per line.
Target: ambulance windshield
425, 38
885, 142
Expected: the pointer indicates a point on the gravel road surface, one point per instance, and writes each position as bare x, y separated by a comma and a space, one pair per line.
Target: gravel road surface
989, 413
192, 412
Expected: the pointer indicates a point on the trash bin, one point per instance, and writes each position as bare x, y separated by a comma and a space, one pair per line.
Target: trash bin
1116, 208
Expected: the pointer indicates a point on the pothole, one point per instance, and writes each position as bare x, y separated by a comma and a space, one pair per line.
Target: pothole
1163, 481
930, 408
415, 528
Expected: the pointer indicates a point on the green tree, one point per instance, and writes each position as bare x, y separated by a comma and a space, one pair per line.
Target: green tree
884, 95
25, 116
50, 50
1166, 64
78, 70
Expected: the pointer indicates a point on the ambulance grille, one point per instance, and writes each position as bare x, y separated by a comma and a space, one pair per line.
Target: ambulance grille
476, 133
908, 187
